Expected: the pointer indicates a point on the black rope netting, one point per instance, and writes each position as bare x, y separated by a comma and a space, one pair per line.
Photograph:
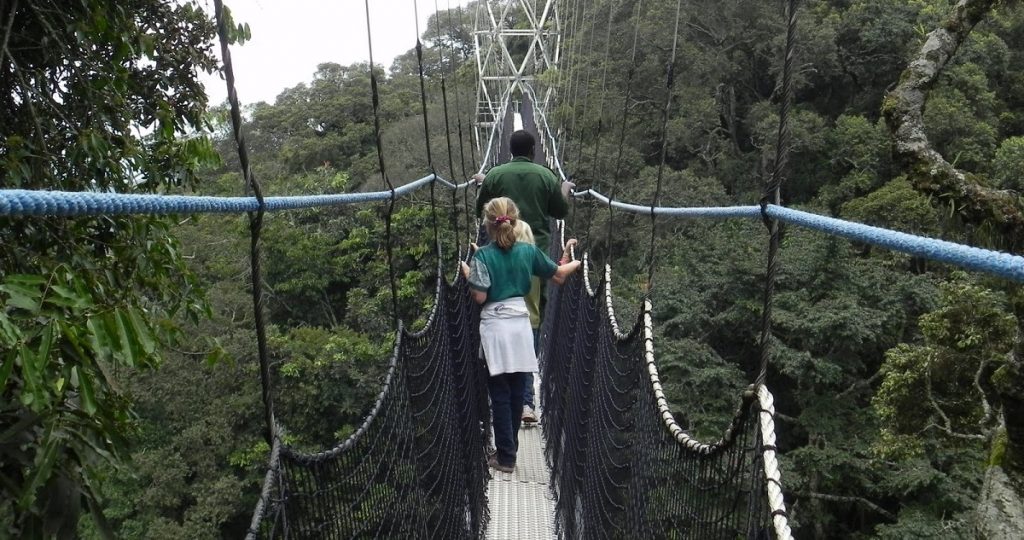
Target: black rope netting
620, 467
416, 466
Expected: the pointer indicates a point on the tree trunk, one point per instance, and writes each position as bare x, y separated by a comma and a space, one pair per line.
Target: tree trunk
999, 512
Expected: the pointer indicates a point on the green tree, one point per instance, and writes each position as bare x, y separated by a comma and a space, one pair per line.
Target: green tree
84, 298
937, 407
1008, 164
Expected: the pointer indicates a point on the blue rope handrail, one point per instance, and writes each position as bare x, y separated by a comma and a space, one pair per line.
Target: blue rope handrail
992, 262
984, 260
20, 202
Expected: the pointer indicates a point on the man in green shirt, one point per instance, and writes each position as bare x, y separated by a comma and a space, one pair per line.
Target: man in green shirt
534, 188
540, 197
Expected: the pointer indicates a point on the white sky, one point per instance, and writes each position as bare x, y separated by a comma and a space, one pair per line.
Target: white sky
290, 37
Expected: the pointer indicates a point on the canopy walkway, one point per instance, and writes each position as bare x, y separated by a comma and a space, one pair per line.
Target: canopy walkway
621, 466
610, 461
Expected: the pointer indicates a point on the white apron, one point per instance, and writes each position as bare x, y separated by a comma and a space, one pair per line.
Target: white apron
506, 337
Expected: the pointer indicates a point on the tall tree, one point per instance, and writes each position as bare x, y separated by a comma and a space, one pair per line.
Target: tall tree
100, 96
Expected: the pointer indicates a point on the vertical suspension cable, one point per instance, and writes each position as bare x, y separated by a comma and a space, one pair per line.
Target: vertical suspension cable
472, 147
476, 86
458, 94
586, 100
772, 193
255, 223
669, 84
426, 130
375, 96
453, 218
631, 73
600, 116
575, 53
458, 120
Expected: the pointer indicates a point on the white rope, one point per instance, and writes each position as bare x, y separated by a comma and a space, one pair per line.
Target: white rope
561, 237
586, 274
610, 304
693, 212
454, 186
678, 433
776, 501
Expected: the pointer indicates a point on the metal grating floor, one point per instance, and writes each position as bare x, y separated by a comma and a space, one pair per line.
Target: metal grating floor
521, 504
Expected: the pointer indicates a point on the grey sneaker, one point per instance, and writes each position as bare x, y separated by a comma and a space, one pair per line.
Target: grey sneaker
493, 463
529, 416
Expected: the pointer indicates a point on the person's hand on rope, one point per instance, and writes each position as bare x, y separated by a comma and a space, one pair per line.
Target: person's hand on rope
465, 266
567, 188
566, 250
479, 178
564, 271
565, 265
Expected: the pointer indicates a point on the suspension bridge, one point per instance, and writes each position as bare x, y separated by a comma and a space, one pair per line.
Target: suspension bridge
610, 460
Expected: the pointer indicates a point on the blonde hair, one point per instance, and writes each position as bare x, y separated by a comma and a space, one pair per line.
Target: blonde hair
500, 218
524, 233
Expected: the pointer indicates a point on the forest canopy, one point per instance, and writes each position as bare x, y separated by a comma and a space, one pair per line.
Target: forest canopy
131, 402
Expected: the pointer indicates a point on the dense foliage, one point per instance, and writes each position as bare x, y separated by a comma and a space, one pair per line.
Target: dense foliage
95, 95
883, 362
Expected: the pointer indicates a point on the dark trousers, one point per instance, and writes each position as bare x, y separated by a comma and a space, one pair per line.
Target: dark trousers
528, 383
507, 413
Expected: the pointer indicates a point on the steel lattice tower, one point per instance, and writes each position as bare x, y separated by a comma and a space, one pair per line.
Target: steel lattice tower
515, 42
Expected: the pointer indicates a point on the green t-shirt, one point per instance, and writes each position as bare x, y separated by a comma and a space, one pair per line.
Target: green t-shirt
534, 189
506, 274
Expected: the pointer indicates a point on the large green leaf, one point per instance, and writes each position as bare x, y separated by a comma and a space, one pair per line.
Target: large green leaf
67, 297
100, 340
86, 391
9, 334
22, 296
46, 458
140, 329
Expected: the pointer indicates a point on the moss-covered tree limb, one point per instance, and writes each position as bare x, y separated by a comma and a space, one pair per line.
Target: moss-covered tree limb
975, 203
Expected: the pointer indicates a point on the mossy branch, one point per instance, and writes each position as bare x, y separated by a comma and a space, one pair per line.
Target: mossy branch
974, 202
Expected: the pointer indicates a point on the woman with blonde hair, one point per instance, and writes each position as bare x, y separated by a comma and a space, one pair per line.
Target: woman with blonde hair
499, 277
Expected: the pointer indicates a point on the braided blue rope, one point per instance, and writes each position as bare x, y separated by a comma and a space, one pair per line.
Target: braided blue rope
982, 260
20, 202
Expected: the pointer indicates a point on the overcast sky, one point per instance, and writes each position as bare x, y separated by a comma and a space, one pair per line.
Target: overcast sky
290, 37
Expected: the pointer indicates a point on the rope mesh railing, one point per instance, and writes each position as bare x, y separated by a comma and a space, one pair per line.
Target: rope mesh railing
416, 466
621, 467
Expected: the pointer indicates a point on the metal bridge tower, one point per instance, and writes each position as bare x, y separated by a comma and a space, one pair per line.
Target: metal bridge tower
515, 41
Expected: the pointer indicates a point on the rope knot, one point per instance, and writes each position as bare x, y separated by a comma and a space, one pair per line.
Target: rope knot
763, 203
